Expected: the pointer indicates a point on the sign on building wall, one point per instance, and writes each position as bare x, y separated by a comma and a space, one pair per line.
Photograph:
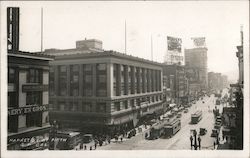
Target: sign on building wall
199, 41
27, 109
30, 88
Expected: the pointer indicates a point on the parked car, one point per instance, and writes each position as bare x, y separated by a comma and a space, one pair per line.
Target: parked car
214, 133
203, 131
179, 115
186, 111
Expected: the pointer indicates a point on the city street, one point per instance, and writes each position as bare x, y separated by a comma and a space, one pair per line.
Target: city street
181, 139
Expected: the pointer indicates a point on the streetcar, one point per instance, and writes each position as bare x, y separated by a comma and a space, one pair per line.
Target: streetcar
65, 140
166, 128
172, 128
196, 117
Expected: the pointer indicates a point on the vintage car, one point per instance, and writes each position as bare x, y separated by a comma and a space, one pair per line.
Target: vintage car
203, 131
214, 133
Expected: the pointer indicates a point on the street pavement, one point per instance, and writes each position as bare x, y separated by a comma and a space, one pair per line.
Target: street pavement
180, 141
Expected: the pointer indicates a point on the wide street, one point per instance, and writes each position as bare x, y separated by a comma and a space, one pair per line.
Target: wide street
181, 139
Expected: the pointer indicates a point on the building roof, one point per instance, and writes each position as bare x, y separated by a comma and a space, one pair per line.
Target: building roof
32, 55
109, 53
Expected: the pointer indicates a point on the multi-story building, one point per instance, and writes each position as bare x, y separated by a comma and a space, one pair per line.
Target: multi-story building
28, 99
96, 90
196, 67
176, 83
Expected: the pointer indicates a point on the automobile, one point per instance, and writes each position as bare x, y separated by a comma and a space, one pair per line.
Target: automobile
179, 115
88, 140
203, 131
214, 133
186, 111
203, 102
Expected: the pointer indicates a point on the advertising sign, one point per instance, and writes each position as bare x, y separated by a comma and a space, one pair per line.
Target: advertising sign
27, 109
30, 88
199, 41
174, 44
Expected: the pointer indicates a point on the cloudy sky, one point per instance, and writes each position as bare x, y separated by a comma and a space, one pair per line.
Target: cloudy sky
66, 22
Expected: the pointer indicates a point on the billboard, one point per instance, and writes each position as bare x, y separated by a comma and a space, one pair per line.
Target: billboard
174, 44
199, 41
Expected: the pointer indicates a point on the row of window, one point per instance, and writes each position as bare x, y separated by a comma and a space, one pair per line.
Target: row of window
101, 80
142, 80
33, 75
121, 105
78, 106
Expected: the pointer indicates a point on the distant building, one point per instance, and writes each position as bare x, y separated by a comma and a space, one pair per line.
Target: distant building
175, 83
103, 91
28, 99
196, 67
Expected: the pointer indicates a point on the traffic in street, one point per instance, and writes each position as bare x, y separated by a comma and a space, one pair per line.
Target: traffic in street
181, 140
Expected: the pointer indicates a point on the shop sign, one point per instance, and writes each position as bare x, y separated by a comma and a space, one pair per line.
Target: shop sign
27, 109
28, 88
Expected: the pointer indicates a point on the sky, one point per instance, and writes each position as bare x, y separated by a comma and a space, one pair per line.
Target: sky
66, 22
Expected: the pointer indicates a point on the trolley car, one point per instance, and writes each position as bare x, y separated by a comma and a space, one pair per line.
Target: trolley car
196, 117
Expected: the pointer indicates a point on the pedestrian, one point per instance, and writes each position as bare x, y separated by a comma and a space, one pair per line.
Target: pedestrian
214, 144
146, 135
90, 148
109, 140
199, 142
95, 145
85, 147
121, 138
81, 146
191, 141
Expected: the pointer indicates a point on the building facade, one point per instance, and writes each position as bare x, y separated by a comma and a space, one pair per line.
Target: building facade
175, 83
103, 91
196, 67
28, 79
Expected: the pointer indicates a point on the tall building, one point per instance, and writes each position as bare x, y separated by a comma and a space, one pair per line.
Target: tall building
102, 91
196, 66
175, 81
28, 99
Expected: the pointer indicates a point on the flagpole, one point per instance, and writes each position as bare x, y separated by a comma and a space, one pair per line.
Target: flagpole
41, 30
151, 47
125, 37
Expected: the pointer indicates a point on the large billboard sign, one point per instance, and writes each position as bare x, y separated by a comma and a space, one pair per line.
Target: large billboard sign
174, 44
199, 41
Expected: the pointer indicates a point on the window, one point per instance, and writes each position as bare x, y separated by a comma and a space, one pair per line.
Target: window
51, 81
74, 80
88, 92
101, 67
34, 76
62, 81
88, 106
88, 78
33, 98
117, 106
87, 67
32, 119
101, 92
101, 107
12, 99
125, 103
11, 75
132, 103
102, 78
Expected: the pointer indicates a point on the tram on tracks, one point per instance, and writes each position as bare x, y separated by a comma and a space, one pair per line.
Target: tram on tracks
166, 128
196, 117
